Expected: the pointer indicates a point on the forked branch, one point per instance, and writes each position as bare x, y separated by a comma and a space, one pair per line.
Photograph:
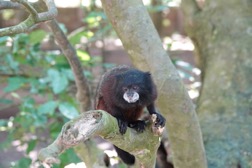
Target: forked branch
34, 17
100, 123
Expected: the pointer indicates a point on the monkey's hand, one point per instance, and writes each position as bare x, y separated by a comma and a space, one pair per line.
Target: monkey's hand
122, 126
160, 121
138, 125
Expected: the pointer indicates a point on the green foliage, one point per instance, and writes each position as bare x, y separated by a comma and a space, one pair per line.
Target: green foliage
24, 162
15, 83
66, 158
40, 81
57, 80
68, 110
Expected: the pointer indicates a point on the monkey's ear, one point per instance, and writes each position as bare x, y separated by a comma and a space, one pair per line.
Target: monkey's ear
148, 73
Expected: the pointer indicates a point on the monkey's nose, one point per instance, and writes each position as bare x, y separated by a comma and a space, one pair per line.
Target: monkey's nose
133, 97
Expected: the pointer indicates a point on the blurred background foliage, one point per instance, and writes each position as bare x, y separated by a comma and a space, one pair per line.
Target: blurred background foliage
37, 82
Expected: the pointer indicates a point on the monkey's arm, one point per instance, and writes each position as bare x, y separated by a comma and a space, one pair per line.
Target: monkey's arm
101, 105
138, 125
160, 121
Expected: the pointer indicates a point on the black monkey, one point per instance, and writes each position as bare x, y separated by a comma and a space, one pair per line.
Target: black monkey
124, 92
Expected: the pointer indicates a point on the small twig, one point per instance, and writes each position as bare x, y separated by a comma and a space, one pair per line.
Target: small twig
29, 7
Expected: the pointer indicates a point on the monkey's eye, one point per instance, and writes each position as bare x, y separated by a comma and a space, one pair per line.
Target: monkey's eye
135, 87
125, 89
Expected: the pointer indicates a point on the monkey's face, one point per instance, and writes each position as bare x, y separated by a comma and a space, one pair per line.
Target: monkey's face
130, 94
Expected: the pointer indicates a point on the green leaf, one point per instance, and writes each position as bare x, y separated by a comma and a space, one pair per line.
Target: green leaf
39, 120
11, 62
68, 110
20, 42
54, 129
14, 83
58, 80
68, 73
37, 36
24, 162
48, 107
31, 146
83, 55
76, 36
69, 156
5, 101
28, 103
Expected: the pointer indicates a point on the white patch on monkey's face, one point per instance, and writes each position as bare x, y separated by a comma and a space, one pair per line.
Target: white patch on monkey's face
132, 98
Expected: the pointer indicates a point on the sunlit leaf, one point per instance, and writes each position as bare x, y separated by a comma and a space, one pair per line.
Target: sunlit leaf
84, 56
68, 110
15, 95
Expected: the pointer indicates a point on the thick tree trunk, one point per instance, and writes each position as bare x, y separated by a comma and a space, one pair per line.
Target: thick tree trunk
222, 33
133, 25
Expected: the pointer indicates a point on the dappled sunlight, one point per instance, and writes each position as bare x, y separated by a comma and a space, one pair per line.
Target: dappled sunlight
67, 3
178, 42
76, 165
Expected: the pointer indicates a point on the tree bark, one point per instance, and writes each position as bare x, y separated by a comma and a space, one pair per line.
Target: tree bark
102, 124
222, 33
133, 25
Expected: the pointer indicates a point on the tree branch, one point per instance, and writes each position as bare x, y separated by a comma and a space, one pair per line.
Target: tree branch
32, 19
133, 25
9, 5
102, 124
83, 93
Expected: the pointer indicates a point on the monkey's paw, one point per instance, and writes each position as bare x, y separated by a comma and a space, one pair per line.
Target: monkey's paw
160, 121
138, 125
122, 126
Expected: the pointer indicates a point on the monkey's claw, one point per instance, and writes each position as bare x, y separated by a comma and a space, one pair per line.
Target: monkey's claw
122, 126
160, 121
139, 125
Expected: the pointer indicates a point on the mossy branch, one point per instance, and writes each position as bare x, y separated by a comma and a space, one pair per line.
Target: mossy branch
34, 17
100, 123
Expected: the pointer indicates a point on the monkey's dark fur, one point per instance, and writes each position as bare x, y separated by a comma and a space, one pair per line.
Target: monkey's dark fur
124, 92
